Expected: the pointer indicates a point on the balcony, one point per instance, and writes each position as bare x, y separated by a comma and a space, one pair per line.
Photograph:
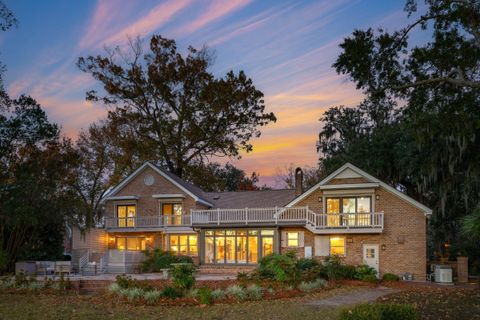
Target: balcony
143, 223
302, 216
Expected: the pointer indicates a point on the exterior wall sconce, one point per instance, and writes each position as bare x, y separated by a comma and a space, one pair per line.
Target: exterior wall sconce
377, 197
384, 247
349, 240
320, 199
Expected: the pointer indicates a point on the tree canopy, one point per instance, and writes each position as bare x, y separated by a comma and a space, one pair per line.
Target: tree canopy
172, 107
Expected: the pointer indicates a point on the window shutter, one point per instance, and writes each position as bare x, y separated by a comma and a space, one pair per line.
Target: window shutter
301, 239
322, 246
283, 239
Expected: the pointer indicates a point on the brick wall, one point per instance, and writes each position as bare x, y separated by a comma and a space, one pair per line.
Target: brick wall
146, 204
404, 236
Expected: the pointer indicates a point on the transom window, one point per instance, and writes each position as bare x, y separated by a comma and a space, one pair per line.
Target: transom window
172, 213
337, 246
349, 211
126, 215
184, 244
130, 243
292, 239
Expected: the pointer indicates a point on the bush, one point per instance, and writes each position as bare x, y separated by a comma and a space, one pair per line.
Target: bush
280, 267
312, 285
333, 267
183, 276
218, 294
115, 288
35, 285
193, 293
365, 273
205, 295
7, 283
348, 272
126, 282
158, 259
237, 292
390, 277
171, 292
307, 264
132, 293
254, 292
378, 311
152, 296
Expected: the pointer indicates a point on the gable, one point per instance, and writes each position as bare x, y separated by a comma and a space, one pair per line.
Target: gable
349, 176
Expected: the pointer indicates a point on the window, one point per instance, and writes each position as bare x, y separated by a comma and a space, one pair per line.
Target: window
172, 213
184, 244
292, 239
131, 243
348, 211
337, 246
126, 216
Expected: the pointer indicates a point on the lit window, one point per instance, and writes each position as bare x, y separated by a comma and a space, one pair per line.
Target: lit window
126, 215
292, 239
131, 243
337, 246
184, 244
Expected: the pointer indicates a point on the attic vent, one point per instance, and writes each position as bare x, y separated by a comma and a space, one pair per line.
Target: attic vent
216, 197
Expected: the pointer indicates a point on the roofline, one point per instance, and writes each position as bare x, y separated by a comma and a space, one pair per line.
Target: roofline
382, 184
160, 172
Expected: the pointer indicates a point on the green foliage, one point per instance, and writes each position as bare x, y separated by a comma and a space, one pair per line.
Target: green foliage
171, 292
152, 296
471, 224
183, 275
127, 282
307, 263
365, 273
312, 285
390, 277
254, 292
132, 294
280, 267
158, 259
237, 292
333, 267
205, 295
218, 294
115, 288
36, 285
377, 311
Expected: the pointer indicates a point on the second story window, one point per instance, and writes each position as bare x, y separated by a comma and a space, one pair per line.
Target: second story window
351, 211
126, 216
172, 213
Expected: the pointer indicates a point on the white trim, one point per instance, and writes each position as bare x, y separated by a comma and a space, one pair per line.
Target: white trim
344, 193
123, 198
160, 172
415, 203
168, 196
349, 186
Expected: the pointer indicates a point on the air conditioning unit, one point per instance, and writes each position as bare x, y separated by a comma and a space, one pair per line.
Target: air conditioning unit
443, 274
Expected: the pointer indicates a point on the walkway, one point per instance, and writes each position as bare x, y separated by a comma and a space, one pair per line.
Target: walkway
353, 297
146, 276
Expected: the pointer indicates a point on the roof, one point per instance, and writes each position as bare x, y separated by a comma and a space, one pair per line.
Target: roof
250, 199
372, 179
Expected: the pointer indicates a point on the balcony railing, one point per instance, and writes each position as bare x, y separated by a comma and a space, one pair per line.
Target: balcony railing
148, 222
287, 216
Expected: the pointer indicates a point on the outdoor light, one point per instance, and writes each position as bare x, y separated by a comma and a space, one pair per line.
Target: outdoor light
384, 247
320, 199
377, 197
112, 239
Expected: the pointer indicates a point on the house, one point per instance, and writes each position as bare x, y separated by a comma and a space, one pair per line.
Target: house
349, 213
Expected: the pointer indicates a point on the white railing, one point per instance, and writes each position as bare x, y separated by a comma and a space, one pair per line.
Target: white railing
283, 215
148, 222
83, 261
104, 262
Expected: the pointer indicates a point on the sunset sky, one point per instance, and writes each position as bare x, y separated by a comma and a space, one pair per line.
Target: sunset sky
286, 47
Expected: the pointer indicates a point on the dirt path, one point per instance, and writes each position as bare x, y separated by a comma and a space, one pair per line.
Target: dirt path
353, 297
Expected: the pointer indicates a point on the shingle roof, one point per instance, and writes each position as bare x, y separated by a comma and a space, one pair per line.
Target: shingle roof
250, 199
237, 199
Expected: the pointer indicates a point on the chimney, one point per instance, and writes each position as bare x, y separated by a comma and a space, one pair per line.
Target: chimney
298, 181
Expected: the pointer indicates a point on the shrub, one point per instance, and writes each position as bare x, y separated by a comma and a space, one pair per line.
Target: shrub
313, 273
183, 276
237, 292
333, 267
126, 282
7, 283
35, 285
205, 295
378, 311
312, 285
171, 292
218, 294
348, 272
390, 277
133, 293
307, 264
254, 292
365, 273
114, 288
193, 293
152, 296
158, 259
280, 267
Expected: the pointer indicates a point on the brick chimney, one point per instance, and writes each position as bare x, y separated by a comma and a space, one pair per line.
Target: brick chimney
298, 181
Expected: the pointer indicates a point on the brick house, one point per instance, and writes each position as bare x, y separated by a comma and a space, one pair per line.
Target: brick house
349, 213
